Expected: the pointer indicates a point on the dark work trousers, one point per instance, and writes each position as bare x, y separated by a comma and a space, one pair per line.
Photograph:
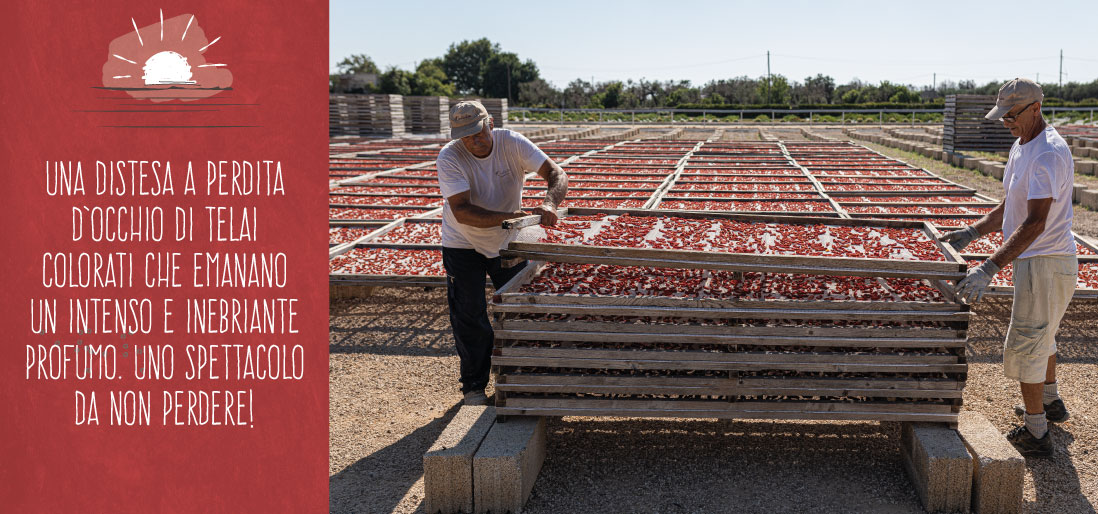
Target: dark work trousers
465, 271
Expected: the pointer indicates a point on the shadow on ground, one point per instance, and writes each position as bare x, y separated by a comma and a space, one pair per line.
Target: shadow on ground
1056, 479
599, 465
377, 482
392, 321
1076, 341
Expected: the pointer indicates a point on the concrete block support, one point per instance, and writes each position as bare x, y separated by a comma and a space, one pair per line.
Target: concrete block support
998, 469
971, 163
1075, 190
507, 464
939, 466
1086, 167
986, 167
448, 465
1089, 198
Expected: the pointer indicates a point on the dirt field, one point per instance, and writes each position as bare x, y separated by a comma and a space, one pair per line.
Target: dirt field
393, 385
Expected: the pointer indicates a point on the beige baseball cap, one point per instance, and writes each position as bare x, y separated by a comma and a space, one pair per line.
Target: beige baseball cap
467, 118
1014, 93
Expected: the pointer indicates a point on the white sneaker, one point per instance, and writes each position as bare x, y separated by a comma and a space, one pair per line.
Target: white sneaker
476, 398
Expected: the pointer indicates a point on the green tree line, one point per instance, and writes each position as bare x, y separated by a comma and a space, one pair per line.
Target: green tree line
482, 68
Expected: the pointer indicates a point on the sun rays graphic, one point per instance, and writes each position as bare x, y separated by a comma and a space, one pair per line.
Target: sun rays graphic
165, 61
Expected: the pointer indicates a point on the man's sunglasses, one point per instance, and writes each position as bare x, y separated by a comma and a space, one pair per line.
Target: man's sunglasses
1014, 117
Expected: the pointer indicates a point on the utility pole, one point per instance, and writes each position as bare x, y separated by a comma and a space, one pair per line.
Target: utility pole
508, 82
935, 86
1061, 93
768, 76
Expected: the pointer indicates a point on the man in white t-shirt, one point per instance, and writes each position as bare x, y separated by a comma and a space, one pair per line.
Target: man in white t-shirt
481, 174
1035, 217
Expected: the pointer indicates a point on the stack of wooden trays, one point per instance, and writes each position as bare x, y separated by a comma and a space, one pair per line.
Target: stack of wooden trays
361, 115
427, 114
727, 353
967, 129
497, 109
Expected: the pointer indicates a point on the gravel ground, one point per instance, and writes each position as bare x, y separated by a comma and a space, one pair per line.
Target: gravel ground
786, 133
741, 134
393, 387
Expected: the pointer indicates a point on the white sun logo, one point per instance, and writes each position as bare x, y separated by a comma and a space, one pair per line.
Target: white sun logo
164, 61
167, 67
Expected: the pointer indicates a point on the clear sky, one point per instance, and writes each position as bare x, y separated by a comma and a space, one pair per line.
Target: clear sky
904, 42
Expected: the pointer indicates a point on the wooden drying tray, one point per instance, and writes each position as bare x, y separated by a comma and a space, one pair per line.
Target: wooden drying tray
824, 178
632, 178
358, 223
510, 299
426, 192
914, 204
427, 188
953, 268
632, 154
890, 215
892, 192
372, 225
737, 160
1080, 292
366, 180
725, 409
577, 330
704, 177
393, 225
801, 179
389, 206
673, 195
648, 201
621, 176
362, 279
655, 186
839, 194
579, 163
731, 165
428, 211
382, 169
1003, 291
834, 213
879, 181
544, 367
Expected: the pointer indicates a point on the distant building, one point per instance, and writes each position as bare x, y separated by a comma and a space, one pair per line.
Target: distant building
353, 83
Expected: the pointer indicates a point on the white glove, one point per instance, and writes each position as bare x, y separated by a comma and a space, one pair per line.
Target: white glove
959, 239
973, 286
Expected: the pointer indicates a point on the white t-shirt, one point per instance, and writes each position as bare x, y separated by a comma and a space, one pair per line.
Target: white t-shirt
494, 183
1041, 168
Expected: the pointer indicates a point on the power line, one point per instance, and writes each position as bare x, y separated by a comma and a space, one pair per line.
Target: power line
908, 62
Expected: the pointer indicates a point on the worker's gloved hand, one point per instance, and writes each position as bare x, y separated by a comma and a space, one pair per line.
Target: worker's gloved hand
973, 286
959, 239
548, 214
